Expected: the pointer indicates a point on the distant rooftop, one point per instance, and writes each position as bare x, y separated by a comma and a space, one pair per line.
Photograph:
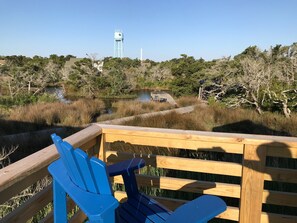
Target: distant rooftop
2, 62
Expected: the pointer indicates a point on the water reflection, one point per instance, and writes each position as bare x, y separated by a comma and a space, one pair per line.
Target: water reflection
142, 95
58, 92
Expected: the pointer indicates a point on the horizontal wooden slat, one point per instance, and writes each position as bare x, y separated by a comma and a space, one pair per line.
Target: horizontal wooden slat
277, 218
30, 207
50, 217
282, 151
89, 145
121, 196
170, 183
232, 213
78, 217
273, 141
280, 174
280, 198
176, 143
178, 163
14, 189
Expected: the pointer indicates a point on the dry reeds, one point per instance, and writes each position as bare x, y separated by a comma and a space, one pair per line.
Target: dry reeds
132, 108
77, 113
171, 120
187, 101
220, 119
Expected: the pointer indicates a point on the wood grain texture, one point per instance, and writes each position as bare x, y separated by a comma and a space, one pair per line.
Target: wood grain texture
178, 163
184, 143
252, 184
194, 186
280, 198
102, 148
281, 175
14, 189
78, 217
277, 218
200, 135
30, 207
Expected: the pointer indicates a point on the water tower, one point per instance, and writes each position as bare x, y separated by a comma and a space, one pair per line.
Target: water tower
118, 44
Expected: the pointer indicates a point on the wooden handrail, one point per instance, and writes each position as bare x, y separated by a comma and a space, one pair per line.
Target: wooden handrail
202, 136
24, 168
253, 171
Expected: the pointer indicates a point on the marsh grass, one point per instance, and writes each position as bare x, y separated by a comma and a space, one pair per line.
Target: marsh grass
220, 119
22, 127
187, 101
77, 113
132, 108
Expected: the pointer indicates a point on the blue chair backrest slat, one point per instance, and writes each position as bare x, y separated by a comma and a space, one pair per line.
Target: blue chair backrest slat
58, 143
70, 157
84, 165
101, 176
66, 152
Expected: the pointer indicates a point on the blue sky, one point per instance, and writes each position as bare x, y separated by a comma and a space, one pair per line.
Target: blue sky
163, 28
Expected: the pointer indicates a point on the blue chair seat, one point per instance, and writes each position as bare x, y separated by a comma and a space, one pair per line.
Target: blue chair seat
141, 208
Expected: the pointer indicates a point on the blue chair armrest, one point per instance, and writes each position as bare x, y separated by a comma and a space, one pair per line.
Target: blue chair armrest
125, 166
200, 210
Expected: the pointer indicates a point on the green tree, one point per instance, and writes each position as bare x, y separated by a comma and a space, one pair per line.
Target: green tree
83, 77
187, 75
118, 83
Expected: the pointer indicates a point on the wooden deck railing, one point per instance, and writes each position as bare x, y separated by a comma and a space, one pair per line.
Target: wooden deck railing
246, 193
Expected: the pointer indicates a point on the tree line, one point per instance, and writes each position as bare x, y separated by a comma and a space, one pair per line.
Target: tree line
264, 80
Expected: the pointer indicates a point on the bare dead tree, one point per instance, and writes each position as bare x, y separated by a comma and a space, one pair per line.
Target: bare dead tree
4, 156
51, 73
14, 82
282, 90
221, 73
256, 77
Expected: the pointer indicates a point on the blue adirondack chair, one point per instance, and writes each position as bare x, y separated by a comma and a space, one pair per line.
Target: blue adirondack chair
86, 181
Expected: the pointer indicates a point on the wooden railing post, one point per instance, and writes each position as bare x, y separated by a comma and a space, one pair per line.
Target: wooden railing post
102, 152
252, 183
